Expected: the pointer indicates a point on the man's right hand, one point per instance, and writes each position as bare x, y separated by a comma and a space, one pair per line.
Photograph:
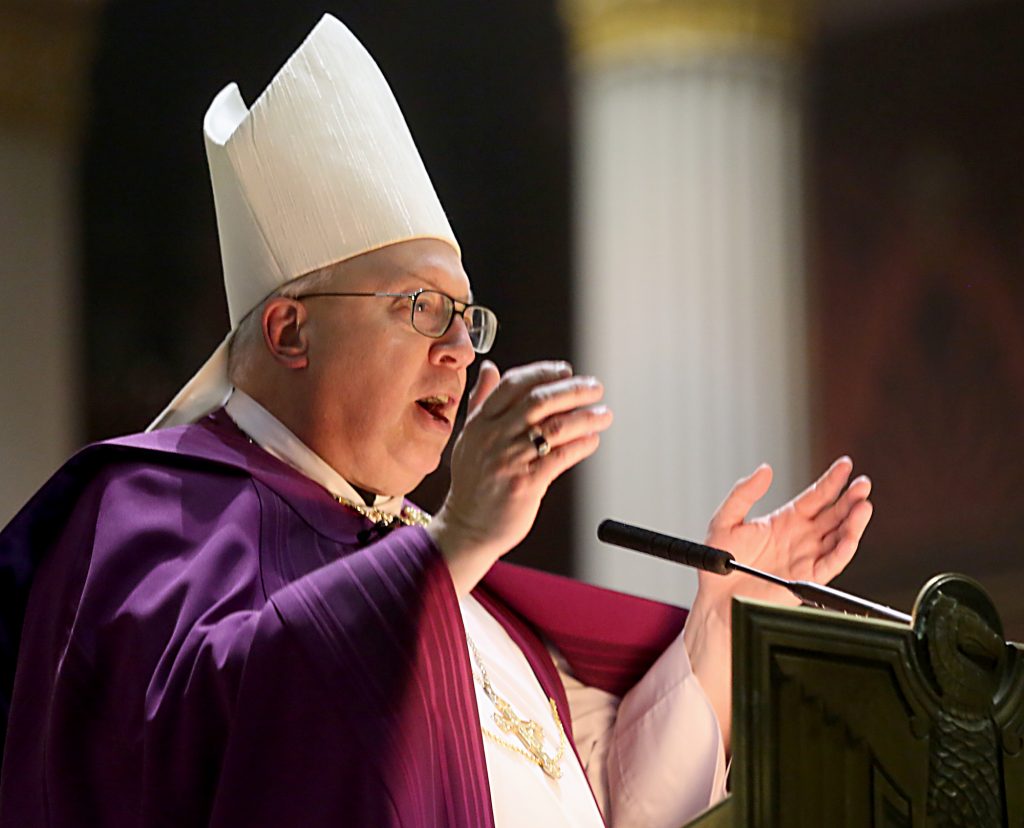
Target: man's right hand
498, 475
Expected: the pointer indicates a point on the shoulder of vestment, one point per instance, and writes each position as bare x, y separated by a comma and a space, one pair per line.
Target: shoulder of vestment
176, 477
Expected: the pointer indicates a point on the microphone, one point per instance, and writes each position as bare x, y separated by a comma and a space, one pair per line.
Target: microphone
684, 552
699, 556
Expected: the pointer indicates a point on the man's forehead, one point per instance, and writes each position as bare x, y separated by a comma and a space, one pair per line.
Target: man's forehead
456, 284
407, 266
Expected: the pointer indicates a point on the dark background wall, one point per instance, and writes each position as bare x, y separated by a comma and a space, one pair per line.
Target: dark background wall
918, 216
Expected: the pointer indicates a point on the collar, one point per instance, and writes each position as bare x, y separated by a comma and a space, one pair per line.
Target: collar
275, 438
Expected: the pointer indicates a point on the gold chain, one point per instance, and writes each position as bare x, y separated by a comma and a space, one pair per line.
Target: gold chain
410, 515
528, 732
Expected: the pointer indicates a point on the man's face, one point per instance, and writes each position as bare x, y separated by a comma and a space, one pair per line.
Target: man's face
382, 396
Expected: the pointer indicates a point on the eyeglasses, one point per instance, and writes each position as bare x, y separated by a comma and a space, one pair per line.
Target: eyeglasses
433, 312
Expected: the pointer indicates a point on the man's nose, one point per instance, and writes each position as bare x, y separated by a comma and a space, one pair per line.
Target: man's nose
454, 349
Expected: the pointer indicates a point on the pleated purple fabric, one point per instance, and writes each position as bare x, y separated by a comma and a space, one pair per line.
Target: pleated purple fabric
211, 640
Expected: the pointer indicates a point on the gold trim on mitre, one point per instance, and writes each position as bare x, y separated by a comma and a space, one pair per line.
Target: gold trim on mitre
612, 31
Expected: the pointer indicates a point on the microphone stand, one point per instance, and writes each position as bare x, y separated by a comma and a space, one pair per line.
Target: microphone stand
699, 556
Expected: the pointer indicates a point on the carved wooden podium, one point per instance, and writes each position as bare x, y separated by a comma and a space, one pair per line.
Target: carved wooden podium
845, 721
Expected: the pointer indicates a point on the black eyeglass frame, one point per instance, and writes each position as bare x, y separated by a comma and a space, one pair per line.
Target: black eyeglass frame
412, 296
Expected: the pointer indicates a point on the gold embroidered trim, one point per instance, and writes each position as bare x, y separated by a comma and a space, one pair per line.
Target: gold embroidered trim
529, 733
409, 516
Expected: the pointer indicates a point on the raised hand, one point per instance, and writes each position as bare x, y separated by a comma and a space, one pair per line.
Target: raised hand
812, 538
498, 475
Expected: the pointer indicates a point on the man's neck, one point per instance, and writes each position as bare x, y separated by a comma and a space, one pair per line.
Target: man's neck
368, 497
270, 434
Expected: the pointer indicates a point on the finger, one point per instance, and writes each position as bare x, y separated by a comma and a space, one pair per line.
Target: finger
568, 426
487, 380
550, 398
565, 457
829, 518
518, 381
841, 544
741, 499
825, 489
561, 429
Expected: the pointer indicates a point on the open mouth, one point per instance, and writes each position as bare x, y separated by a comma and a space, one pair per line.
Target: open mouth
436, 406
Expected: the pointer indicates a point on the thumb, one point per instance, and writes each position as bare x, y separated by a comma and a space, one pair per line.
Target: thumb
486, 381
742, 497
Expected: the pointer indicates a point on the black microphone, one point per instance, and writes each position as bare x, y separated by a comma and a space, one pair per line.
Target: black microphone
699, 556
681, 551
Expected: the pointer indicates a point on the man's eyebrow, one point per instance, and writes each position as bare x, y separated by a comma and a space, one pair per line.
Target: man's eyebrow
414, 276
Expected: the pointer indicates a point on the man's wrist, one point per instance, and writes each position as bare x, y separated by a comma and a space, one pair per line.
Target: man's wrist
469, 559
708, 640
708, 619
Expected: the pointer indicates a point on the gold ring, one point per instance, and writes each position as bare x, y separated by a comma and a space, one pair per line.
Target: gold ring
537, 438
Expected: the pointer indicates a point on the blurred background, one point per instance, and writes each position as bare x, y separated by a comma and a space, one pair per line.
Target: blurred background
778, 230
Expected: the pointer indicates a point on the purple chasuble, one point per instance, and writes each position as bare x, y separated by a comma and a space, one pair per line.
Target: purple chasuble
208, 638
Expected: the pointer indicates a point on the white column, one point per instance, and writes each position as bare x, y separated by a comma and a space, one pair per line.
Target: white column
690, 295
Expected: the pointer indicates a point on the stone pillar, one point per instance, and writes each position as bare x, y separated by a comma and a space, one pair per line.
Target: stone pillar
690, 296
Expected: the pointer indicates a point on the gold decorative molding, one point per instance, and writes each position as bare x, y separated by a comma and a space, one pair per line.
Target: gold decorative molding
628, 30
45, 49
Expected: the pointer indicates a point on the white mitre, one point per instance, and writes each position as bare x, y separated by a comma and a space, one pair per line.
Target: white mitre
321, 168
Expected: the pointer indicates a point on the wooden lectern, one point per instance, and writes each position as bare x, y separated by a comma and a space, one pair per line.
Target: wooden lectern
845, 721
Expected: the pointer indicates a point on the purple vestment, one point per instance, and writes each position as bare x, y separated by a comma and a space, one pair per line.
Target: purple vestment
211, 640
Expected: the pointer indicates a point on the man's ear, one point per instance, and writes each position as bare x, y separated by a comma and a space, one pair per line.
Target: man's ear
284, 332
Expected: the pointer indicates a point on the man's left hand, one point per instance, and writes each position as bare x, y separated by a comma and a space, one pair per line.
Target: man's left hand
811, 538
